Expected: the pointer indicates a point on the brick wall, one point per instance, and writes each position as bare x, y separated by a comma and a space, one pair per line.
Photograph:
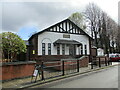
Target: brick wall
16, 70
53, 57
82, 63
102, 59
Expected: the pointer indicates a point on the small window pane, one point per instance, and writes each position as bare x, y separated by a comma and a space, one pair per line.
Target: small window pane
85, 49
58, 49
43, 48
63, 49
81, 49
49, 48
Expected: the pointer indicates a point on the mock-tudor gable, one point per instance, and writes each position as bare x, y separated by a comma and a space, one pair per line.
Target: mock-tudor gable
65, 26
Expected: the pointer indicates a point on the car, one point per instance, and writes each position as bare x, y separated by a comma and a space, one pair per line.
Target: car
115, 58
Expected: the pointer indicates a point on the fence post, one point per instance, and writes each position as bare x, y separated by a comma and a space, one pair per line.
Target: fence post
111, 63
77, 65
91, 65
42, 71
99, 62
105, 61
63, 68
108, 61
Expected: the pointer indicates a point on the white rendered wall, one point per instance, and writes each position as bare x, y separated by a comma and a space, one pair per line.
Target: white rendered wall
51, 37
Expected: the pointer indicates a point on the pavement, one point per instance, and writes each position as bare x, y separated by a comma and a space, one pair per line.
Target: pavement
26, 82
98, 79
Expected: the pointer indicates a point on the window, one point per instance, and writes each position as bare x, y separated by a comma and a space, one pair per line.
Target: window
58, 49
49, 48
63, 49
43, 48
85, 49
81, 49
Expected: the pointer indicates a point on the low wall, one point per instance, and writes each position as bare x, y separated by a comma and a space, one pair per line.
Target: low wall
82, 63
13, 70
53, 57
102, 59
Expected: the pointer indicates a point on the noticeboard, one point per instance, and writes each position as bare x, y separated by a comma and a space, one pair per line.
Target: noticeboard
35, 73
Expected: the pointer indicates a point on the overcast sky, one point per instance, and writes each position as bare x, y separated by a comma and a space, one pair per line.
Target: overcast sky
24, 18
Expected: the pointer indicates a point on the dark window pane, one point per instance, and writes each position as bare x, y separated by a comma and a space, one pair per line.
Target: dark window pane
85, 49
49, 48
63, 49
81, 49
58, 49
43, 48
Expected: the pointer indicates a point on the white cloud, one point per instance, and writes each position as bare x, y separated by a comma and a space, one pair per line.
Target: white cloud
42, 14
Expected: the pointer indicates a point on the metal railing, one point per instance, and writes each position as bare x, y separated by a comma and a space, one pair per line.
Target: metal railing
99, 61
51, 69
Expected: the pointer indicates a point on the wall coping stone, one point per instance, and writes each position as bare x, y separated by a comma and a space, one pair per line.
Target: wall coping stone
74, 58
17, 63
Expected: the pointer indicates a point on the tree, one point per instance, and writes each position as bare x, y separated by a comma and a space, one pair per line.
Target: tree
103, 28
112, 30
94, 14
11, 45
104, 33
78, 19
118, 40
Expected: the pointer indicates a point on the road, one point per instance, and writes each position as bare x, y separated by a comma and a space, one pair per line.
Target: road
107, 78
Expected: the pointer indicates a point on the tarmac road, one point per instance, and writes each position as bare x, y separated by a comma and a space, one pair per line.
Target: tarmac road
107, 78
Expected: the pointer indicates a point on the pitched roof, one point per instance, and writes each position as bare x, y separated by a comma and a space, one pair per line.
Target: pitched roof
47, 29
63, 41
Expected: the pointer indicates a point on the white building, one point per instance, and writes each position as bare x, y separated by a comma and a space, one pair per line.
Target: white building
62, 40
100, 52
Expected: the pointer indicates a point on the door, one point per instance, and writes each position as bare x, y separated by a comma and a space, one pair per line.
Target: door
72, 50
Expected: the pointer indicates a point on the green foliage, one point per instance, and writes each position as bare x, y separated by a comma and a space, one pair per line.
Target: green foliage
12, 44
78, 19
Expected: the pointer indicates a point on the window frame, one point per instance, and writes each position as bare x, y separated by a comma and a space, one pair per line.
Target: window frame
85, 46
43, 48
49, 48
81, 49
63, 49
58, 49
